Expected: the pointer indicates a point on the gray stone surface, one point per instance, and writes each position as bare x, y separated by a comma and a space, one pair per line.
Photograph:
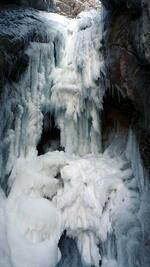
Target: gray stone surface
38, 4
72, 8
17, 28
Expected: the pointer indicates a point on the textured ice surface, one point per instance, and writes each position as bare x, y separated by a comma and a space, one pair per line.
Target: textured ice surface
76, 92
5, 260
97, 199
93, 198
63, 77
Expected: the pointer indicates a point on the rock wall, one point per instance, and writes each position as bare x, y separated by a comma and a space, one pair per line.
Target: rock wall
69, 8
38, 4
72, 8
15, 36
127, 58
134, 5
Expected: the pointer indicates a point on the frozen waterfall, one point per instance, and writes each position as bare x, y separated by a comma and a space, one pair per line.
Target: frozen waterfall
73, 194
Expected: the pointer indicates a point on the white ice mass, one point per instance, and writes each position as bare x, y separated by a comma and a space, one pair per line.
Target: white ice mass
98, 198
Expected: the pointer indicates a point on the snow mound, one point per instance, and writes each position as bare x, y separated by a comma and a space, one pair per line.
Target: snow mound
88, 200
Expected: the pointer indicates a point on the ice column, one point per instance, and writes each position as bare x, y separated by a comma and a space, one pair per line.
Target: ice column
77, 90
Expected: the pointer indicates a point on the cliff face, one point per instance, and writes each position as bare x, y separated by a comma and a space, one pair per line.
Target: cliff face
127, 58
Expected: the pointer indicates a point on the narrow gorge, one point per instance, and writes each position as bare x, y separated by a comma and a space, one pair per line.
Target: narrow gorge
74, 133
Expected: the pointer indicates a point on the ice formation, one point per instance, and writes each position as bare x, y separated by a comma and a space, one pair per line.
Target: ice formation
76, 98
96, 198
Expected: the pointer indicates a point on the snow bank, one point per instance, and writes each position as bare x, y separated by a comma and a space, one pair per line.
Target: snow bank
5, 260
33, 222
88, 199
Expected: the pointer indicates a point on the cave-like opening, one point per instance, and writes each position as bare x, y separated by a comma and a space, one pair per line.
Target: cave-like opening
50, 138
117, 115
69, 251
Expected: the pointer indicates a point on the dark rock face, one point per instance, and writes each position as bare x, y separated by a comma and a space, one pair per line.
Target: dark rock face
130, 4
127, 56
17, 28
38, 4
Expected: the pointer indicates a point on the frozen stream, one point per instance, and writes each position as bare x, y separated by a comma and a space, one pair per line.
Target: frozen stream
75, 205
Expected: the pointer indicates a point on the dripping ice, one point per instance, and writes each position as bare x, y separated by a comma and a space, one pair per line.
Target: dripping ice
91, 195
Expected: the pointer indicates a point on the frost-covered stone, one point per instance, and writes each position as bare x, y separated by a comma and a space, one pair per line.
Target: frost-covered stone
72, 8
38, 4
